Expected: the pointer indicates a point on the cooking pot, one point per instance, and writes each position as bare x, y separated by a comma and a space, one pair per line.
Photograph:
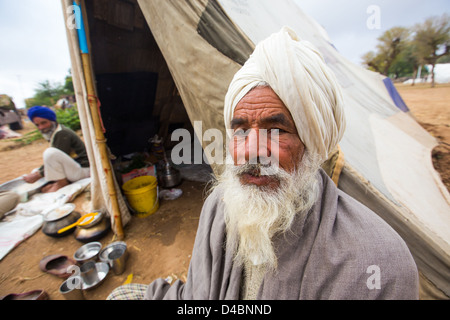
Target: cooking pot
59, 218
169, 176
95, 230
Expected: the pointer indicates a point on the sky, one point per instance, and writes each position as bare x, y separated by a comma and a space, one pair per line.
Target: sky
33, 45
346, 21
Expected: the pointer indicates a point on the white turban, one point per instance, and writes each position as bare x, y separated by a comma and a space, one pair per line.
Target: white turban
297, 73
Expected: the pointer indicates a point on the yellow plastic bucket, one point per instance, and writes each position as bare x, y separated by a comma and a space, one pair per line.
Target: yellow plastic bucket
142, 195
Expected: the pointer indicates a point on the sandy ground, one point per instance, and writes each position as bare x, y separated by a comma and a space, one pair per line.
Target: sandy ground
161, 244
431, 108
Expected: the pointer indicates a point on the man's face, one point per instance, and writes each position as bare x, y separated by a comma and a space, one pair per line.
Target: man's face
44, 125
262, 109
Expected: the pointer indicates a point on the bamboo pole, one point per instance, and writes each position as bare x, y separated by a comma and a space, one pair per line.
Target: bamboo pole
99, 136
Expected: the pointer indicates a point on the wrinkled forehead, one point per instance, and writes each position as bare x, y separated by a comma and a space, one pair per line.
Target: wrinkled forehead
261, 105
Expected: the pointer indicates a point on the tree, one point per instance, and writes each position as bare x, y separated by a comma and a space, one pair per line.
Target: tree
68, 84
407, 64
391, 44
432, 40
45, 94
48, 93
373, 61
444, 59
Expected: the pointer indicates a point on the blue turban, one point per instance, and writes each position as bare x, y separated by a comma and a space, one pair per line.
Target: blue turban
41, 112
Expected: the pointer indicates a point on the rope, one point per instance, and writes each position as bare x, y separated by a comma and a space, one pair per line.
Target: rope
97, 100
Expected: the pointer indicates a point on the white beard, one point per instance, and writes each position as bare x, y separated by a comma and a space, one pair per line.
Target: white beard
253, 215
48, 135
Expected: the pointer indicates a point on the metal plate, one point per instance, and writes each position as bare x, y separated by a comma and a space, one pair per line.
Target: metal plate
88, 251
21, 187
60, 212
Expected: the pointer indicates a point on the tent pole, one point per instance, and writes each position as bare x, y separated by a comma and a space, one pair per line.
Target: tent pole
99, 136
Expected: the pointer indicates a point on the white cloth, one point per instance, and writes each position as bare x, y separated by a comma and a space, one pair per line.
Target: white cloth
297, 73
58, 165
16, 231
28, 216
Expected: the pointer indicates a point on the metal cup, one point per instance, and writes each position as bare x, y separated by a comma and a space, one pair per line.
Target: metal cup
117, 259
71, 289
89, 273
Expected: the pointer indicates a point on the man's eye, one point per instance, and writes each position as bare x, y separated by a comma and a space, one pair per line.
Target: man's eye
276, 131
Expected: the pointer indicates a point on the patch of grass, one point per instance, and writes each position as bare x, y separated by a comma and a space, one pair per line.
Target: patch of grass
69, 118
28, 138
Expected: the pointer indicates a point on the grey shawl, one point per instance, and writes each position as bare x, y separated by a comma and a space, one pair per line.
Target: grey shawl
340, 250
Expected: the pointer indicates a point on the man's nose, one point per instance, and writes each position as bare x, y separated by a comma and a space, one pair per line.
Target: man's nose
256, 146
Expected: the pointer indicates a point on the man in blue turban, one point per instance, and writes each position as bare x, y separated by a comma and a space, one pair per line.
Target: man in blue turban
65, 161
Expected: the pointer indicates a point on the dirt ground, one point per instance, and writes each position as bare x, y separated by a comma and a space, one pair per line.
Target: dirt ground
431, 108
160, 245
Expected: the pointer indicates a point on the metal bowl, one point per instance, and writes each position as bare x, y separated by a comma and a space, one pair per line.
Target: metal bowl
60, 212
23, 189
88, 252
103, 255
102, 271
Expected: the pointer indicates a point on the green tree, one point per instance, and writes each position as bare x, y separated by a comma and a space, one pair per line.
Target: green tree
48, 93
68, 84
407, 64
432, 40
390, 45
373, 61
69, 118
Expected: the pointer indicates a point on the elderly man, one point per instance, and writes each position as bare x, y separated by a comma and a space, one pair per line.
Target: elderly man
65, 161
280, 229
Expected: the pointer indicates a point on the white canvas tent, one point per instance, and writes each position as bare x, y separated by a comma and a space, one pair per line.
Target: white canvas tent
200, 44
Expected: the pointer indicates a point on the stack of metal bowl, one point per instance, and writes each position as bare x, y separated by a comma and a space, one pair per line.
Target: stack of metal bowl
88, 256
